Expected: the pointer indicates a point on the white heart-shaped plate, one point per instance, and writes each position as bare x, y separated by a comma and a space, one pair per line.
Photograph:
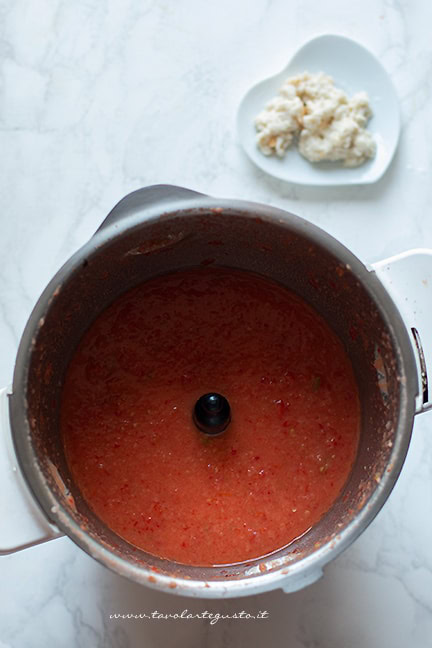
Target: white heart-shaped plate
353, 69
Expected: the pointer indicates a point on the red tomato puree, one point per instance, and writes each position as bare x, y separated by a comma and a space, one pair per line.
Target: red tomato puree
138, 458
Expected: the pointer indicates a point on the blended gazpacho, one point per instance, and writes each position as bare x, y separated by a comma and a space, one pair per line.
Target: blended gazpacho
138, 457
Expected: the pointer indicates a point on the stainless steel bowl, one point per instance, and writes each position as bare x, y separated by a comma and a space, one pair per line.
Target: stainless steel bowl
162, 228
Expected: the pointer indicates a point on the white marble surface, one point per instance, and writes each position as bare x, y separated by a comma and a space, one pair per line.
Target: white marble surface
100, 97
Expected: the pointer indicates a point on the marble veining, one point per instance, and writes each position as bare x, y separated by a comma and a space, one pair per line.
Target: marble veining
101, 97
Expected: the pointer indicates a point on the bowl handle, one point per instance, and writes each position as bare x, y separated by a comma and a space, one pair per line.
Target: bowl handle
148, 197
408, 279
23, 523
